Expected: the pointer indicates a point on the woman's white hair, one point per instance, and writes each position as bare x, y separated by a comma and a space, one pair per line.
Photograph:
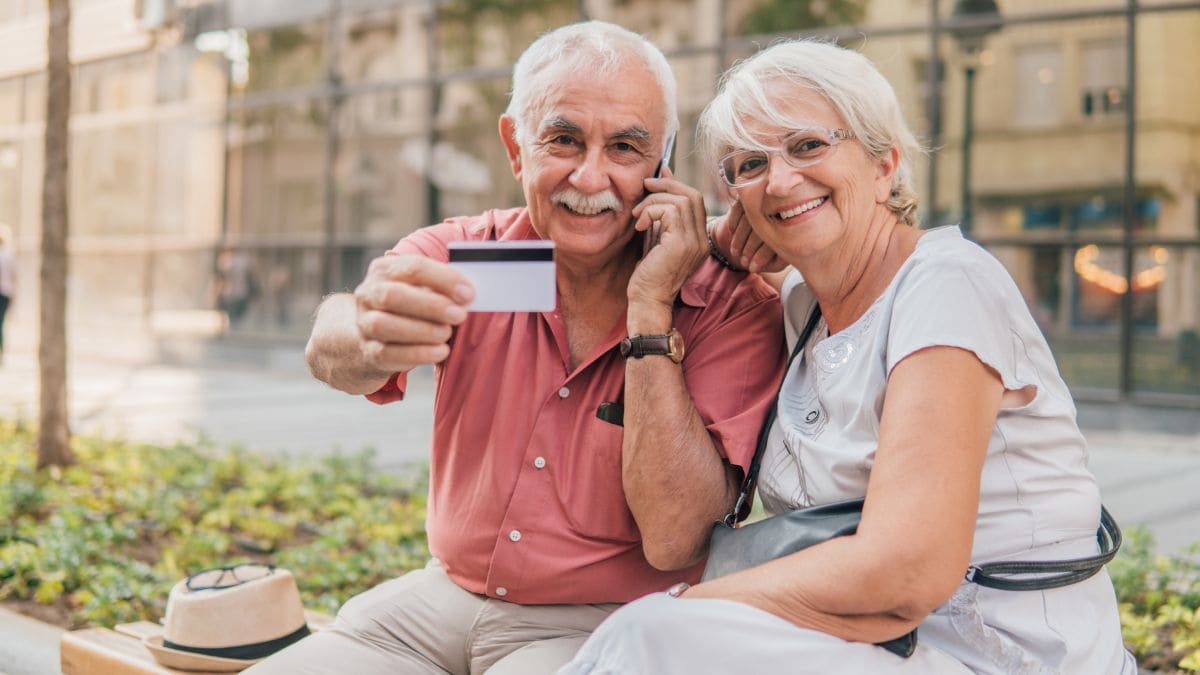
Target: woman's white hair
580, 50
845, 78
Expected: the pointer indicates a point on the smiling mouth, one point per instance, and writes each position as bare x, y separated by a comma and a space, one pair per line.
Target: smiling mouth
805, 207
584, 211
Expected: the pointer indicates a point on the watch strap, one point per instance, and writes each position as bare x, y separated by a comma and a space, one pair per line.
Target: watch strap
638, 346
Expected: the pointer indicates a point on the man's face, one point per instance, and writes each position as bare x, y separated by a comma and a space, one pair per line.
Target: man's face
590, 144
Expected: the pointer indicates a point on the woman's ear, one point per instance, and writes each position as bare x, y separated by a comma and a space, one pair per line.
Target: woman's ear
508, 136
886, 174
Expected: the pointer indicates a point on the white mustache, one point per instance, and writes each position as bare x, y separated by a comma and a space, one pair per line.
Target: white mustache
586, 204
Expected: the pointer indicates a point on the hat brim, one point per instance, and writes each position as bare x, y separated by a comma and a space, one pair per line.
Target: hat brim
181, 660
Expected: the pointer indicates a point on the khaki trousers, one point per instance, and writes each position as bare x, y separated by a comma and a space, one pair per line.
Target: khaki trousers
423, 622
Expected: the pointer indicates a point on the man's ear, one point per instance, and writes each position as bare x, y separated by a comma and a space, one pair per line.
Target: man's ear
508, 135
886, 168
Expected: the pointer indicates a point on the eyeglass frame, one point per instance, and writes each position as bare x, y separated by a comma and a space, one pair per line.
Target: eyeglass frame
834, 137
231, 570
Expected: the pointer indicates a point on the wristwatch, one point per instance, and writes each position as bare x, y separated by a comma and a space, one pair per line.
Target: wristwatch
669, 345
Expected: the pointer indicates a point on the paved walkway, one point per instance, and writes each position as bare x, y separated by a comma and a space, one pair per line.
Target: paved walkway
263, 397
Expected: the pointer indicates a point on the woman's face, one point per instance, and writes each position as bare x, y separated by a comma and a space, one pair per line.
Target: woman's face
799, 212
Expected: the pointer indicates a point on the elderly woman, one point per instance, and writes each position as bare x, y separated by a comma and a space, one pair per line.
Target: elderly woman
926, 387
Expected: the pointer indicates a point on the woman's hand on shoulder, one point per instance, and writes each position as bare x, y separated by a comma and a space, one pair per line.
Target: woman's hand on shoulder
735, 239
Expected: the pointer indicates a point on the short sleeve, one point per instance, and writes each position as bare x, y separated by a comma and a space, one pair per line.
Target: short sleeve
957, 303
392, 391
733, 367
434, 241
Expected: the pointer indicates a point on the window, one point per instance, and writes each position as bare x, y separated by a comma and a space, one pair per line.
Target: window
1039, 86
1103, 79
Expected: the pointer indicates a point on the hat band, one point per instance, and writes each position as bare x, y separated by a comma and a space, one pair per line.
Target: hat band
249, 652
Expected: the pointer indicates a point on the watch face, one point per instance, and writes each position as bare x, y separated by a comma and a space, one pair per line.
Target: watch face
675, 341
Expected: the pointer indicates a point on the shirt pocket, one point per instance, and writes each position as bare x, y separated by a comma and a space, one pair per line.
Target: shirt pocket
588, 484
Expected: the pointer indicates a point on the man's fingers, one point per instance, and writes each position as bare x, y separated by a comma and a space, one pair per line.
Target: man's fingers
401, 357
425, 272
674, 211
405, 299
393, 328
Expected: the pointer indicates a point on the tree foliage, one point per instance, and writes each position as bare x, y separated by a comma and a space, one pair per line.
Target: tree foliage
789, 16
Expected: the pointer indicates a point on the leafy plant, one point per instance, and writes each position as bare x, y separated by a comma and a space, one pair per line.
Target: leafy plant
104, 541
1160, 604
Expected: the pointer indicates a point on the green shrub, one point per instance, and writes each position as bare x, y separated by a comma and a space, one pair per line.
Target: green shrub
1160, 604
105, 540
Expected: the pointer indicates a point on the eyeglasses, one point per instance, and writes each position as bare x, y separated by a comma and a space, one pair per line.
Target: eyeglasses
802, 148
228, 577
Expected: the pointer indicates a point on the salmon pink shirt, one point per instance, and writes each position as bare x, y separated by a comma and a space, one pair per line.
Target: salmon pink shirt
525, 497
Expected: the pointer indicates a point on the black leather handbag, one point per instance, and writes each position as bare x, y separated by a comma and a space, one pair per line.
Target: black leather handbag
734, 548
737, 548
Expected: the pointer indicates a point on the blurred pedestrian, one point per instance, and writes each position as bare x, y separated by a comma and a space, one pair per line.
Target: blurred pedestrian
237, 286
8, 279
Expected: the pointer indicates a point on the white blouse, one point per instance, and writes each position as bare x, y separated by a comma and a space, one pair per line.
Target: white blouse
1036, 489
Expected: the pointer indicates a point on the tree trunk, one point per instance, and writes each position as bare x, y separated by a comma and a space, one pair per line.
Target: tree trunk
53, 434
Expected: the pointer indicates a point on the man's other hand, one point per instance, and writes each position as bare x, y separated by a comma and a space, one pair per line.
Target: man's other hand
673, 214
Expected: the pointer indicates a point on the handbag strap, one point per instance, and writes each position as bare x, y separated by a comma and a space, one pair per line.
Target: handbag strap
1055, 573
764, 432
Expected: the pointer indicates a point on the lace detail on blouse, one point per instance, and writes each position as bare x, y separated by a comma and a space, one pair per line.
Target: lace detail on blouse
967, 621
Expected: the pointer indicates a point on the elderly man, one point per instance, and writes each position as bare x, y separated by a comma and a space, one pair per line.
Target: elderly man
544, 515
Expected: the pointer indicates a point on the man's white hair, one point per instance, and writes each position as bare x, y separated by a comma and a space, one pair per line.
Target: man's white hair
581, 50
845, 78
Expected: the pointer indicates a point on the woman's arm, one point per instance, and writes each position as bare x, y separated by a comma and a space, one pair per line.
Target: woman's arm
914, 542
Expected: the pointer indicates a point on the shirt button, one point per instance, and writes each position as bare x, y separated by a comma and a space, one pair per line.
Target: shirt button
539, 462
564, 392
501, 591
515, 535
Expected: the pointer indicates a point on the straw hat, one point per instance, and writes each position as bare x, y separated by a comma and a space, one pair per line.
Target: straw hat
229, 618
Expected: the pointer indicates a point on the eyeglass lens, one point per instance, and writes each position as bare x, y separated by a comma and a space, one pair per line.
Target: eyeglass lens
800, 149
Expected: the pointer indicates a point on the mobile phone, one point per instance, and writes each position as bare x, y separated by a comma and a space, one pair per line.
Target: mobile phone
653, 233
666, 159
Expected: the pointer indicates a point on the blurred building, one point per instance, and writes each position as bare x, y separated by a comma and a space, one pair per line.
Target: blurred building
309, 135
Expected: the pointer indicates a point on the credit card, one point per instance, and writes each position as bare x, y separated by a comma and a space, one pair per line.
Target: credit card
509, 276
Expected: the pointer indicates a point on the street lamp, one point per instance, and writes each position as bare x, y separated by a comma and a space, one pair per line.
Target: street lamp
973, 21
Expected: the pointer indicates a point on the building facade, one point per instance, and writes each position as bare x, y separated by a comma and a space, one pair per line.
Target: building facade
289, 142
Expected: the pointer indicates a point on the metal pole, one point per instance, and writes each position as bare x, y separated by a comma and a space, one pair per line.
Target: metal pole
968, 134
1129, 210
330, 261
432, 193
934, 110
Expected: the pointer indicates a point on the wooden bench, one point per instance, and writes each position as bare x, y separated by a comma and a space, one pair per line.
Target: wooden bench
119, 651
